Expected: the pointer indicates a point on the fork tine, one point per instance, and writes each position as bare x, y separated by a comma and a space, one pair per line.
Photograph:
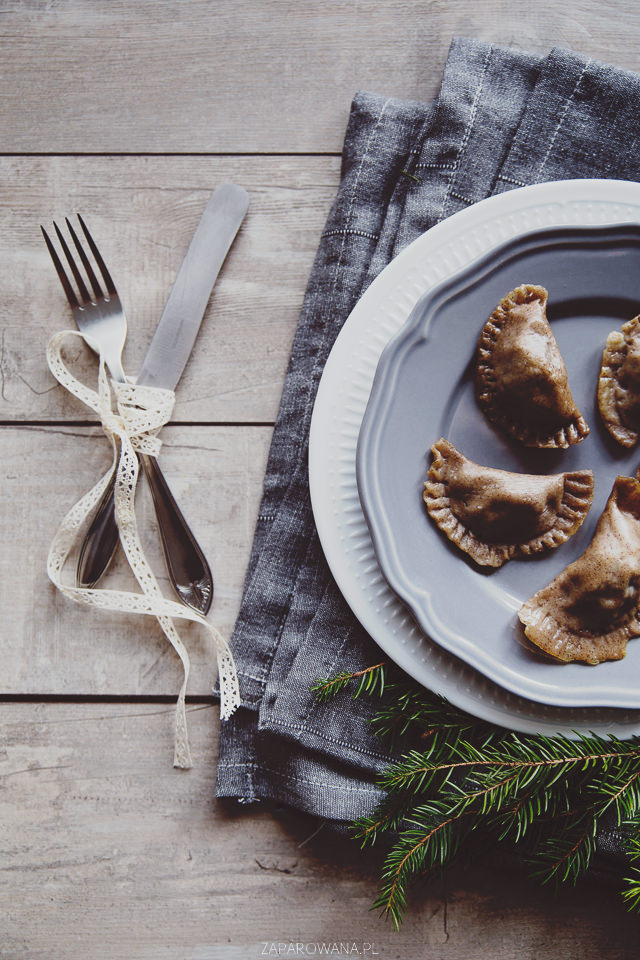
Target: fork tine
64, 280
106, 276
85, 296
93, 280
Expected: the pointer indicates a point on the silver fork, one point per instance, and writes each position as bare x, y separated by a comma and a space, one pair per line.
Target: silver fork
101, 319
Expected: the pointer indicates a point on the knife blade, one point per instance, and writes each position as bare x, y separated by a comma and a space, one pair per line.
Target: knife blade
163, 365
178, 327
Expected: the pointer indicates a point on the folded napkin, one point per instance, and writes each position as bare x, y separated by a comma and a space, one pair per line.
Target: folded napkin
502, 119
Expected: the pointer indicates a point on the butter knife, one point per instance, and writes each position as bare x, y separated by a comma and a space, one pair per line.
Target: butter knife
163, 365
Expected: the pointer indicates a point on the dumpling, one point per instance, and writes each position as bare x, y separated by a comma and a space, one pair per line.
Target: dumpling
494, 515
590, 610
619, 384
521, 378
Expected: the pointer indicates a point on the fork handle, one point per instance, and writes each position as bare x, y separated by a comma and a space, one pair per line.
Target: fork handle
186, 564
101, 541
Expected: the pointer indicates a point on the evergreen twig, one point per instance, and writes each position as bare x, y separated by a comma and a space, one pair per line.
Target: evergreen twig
456, 776
370, 680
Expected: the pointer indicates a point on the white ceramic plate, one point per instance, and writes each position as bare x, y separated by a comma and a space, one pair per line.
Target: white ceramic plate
344, 391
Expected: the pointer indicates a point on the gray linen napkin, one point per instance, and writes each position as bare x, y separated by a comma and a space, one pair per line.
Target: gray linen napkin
502, 119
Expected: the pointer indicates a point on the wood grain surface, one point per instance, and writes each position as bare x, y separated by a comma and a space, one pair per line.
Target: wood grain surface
110, 854
130, 113
258, 76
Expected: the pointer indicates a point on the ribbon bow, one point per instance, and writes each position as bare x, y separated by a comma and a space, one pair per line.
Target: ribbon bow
131, 426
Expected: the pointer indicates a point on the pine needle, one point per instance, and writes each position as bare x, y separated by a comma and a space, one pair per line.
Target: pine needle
456, 776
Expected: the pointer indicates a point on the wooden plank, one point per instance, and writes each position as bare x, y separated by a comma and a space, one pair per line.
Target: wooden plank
142, 212
50, 645
109, 853
148, 76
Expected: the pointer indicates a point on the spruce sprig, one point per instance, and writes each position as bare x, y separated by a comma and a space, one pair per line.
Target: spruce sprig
457, 777
631, 892
370, 680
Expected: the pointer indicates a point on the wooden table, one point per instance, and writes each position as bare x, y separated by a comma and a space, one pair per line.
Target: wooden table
131, 112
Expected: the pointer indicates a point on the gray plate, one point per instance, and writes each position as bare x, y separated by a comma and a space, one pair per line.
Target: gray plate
423, 389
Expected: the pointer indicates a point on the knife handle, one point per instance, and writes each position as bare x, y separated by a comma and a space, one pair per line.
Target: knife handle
187, 566
186, 563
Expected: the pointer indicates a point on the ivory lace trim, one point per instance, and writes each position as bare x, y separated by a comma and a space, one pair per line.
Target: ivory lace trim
131, 424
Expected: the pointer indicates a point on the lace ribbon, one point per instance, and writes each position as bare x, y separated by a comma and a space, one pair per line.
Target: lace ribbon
139, 413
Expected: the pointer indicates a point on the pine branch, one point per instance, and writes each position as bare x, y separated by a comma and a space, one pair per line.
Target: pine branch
631, 893
532, 810
388, 816
371, 681
553, 756
566, 856
410, 709
624, 797
458, 776
418, 850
